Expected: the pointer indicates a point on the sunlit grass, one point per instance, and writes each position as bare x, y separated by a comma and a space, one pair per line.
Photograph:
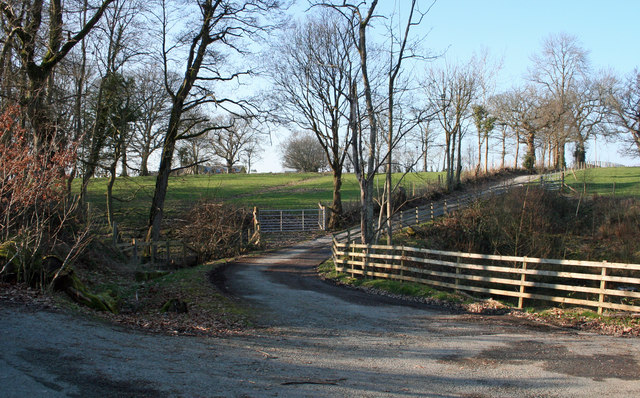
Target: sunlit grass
618, 181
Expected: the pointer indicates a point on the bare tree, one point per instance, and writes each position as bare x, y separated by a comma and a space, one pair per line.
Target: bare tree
364, 136
42, 40
450, 91
396, 129
484, 123
115, 46
311, 75
623, 103
252, 152
229, 142
220, 23
559, 69
302, 152
154, 111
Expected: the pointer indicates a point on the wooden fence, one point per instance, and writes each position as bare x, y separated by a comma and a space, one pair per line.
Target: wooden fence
594, 284
424, 213
157, 252
587, 283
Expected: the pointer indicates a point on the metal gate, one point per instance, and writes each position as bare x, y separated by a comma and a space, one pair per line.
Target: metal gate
292, 220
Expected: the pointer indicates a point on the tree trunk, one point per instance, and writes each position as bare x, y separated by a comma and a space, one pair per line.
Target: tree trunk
123, 150
504, 148
162, 181
530, 157
336, 206
517, 151
144, 160
486, 154
479, 165
459, 160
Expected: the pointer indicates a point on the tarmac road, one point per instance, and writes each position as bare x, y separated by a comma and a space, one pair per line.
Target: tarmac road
314, 339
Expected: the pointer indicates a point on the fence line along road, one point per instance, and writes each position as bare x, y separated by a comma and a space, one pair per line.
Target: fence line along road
424, 213
594, 284
588, 283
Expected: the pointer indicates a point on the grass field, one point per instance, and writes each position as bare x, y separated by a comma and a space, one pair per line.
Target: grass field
296, 190
601, 181
266, 191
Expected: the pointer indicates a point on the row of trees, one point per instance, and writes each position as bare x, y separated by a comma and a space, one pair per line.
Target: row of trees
362, 106
122, 79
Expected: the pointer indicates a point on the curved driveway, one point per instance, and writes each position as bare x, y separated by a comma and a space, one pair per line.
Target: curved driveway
314, 339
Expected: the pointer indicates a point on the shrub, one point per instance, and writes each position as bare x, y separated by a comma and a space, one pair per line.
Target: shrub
216, 230
34, 209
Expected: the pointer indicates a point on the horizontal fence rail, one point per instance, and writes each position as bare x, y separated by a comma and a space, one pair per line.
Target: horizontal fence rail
592, 284
587, 283
291, 220
161, 251
424, 213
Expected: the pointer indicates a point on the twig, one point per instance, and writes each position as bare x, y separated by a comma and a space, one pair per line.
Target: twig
333, 382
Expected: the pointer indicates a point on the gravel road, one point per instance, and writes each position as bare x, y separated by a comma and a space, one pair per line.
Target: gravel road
313, 339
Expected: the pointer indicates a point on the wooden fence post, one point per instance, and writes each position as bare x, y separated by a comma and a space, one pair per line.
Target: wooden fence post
445, 207
303, 219
365, 261
603, 285
135, 251
522, 281
457, 273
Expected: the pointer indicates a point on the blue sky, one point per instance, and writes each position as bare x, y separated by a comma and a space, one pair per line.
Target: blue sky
514, 30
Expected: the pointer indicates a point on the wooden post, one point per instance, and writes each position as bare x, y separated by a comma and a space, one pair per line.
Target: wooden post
135, 251
280, 220
522, 281
402, 263
365, 261
445, 207
457, 273
562, 182
303, 220
603, 285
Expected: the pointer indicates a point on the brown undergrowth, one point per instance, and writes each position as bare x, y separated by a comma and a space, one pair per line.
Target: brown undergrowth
537, 223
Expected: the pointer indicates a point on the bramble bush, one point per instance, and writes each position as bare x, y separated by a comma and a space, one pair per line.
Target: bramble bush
34, 208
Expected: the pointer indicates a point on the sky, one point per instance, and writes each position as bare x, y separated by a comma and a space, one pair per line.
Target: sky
513, 31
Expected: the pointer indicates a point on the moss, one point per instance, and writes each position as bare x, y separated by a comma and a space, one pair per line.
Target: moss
77, 290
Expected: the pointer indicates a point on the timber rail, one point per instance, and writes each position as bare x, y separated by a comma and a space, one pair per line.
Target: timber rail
602, 285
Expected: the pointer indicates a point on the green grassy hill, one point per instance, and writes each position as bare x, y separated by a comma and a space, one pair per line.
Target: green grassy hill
621, 181
267, 191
